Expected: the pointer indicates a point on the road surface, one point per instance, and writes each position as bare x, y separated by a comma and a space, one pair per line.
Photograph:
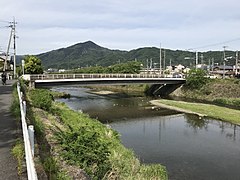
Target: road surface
8, 134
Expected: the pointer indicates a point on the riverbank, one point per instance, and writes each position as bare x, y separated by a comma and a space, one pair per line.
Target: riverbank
225, 92
201, 109
72, 144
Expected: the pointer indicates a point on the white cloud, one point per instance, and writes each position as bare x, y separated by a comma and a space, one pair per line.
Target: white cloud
128, 24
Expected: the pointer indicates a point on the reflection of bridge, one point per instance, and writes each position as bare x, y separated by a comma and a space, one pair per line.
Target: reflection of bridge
159, 85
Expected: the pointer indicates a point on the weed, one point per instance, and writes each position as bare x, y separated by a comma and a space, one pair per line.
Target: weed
18, 153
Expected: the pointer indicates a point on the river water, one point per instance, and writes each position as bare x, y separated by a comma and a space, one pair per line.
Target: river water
190, 148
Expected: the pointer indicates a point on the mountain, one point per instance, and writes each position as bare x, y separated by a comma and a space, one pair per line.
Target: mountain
90, 54
81, 55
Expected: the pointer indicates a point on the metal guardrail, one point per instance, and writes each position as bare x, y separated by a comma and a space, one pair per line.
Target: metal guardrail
87, 76
29, 151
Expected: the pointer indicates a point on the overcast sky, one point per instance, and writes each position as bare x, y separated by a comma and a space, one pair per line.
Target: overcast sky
44, 25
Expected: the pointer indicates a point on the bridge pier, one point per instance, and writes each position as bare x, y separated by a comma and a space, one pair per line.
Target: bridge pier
162, 89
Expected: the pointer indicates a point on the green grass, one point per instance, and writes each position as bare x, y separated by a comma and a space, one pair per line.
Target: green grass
213, 111
122, 163
18, 153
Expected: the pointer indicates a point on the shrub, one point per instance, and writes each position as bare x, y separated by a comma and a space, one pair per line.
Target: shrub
84, 146
41, 98
50, 166
221, 101
196, 79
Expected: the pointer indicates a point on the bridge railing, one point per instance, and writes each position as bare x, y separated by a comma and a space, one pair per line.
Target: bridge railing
87, 76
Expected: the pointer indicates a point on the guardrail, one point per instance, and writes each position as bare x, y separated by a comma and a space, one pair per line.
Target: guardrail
28, 146
33, 77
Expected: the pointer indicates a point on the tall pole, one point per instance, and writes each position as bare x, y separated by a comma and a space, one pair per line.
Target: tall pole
14, 47
147, 66
224, 59
196, 59
236, 66
164, 60
9, 43
212, 63
160, 60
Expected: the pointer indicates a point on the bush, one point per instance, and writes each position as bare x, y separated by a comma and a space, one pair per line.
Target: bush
221, 101
84, 146
41, 98
196, 79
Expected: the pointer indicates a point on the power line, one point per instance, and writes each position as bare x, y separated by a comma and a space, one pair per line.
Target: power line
215, 44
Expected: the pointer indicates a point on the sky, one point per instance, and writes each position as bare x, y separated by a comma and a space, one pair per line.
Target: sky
45, 25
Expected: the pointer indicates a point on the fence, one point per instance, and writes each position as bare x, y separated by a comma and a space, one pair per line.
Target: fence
27, 133
33, 77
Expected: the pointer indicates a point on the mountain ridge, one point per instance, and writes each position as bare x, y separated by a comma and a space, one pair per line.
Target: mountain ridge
88, 53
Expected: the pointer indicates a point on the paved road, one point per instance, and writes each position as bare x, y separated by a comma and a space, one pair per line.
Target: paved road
8, 134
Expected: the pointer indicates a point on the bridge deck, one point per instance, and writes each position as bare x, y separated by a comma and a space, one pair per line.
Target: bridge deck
83, 79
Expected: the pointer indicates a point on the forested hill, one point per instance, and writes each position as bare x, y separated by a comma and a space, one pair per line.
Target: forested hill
90, 54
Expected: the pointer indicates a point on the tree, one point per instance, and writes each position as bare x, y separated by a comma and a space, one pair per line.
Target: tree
196, 78
32, 65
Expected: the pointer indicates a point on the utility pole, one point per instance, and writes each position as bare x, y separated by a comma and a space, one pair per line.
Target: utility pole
212, 63
13, 33
150, 63
201, 59
236, 65
14, 47
196, 59
147, 66
160, 60
224, 59
9, 43
164, 60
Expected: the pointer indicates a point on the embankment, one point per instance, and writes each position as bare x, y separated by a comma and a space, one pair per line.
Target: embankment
74, 146
201, 109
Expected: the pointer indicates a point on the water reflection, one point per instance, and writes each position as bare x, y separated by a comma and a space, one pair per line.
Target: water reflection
190, 148
196, 122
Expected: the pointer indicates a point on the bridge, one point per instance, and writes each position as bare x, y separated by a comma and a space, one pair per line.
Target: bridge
159, 85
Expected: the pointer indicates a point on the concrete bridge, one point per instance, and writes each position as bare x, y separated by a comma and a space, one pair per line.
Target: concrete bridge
158, 85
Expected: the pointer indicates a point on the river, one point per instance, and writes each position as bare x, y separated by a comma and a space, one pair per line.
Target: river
190, 148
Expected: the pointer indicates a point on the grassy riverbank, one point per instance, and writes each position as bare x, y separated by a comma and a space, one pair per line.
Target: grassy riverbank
217, 112
217, 91
70, 142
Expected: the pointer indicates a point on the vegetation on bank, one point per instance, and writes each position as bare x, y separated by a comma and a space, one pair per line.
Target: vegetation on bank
224, 92
69, 138
213, 111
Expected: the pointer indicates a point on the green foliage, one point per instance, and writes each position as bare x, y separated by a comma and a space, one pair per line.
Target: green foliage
85, 147
41, 98
15, 107
119, 162
51, 168
229, 101
18, 153
131, 67
196, 79
32, 65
